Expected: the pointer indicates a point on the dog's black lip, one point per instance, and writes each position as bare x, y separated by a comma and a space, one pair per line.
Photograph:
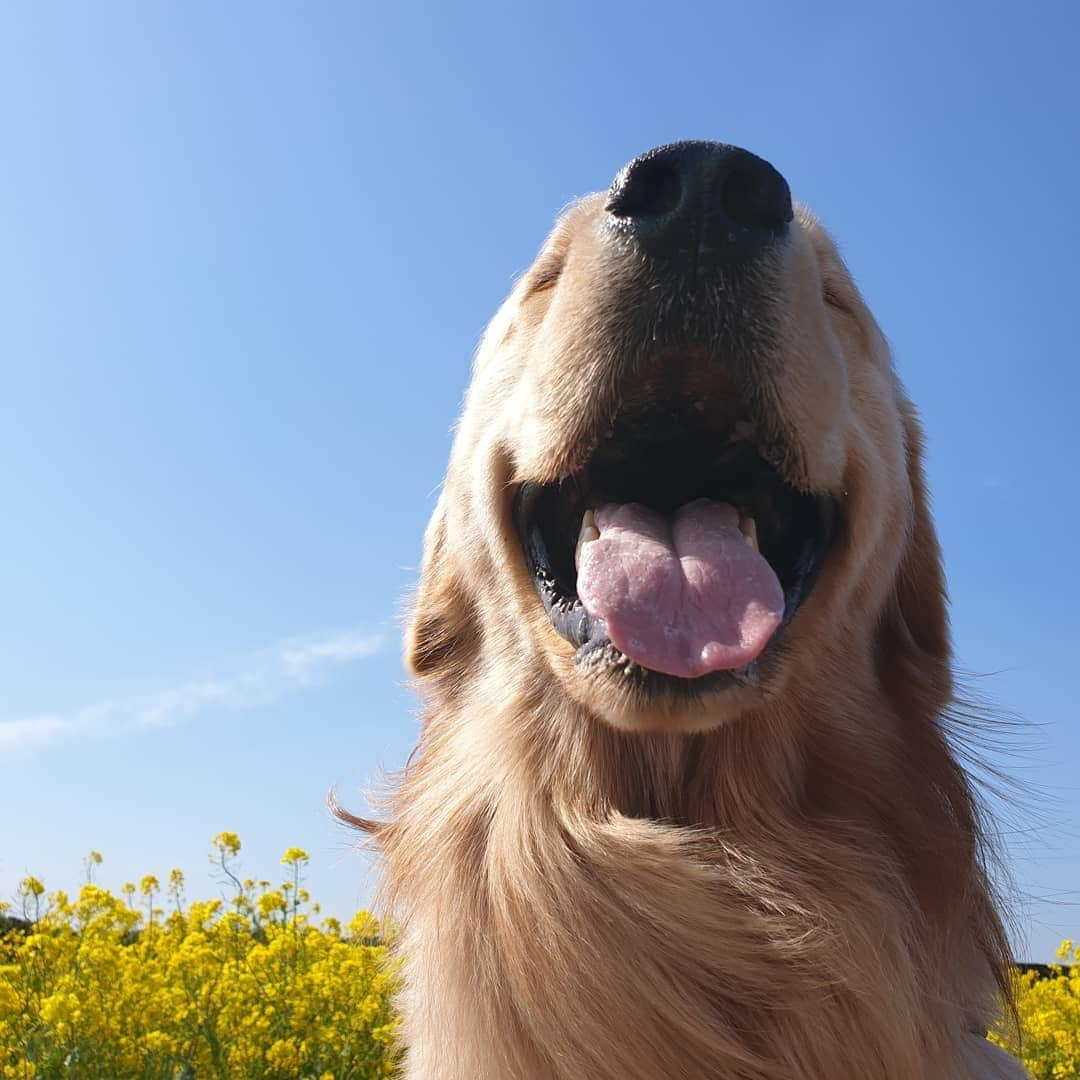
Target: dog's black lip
568, 616
570, 619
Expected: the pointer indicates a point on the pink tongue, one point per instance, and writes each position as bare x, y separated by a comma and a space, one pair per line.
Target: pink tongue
684, 595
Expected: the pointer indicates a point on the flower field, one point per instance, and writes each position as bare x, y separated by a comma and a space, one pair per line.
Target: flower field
150, 986
1049, 1012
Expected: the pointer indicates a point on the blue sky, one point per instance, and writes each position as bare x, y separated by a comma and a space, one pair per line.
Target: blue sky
246, 253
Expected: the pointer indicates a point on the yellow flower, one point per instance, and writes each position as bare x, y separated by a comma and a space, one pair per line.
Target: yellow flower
31, 886
9, 999
158, 1042
269, 903
227, 843
293, 856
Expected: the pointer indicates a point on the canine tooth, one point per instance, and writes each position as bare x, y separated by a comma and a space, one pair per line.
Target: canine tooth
748, 527
589, 532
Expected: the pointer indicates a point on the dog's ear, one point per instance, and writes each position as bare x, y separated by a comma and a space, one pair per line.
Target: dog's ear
441, 636
915, 656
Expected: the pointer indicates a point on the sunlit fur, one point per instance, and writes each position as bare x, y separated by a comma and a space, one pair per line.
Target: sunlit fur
784, 882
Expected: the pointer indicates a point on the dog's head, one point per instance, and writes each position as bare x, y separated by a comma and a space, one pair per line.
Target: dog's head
686, 481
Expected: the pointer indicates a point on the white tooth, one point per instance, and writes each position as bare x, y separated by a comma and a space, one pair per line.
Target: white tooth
748, 527
589, 533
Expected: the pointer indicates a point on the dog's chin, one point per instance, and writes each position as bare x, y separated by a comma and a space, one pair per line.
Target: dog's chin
633, 699
666, 708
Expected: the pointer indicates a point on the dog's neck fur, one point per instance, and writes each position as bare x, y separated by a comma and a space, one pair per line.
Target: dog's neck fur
759, 902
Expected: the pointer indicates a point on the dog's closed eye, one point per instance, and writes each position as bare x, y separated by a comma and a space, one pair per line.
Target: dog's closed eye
545, 275
834, 298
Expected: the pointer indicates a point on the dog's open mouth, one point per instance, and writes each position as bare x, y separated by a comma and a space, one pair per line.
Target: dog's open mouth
677, 550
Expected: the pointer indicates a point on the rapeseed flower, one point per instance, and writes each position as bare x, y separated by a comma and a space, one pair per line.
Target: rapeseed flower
250, 988
1048, 1010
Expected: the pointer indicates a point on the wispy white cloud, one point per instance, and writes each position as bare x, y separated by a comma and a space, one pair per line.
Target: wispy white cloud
248, 682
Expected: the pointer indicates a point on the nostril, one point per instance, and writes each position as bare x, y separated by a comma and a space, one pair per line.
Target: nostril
646, 188
755, 194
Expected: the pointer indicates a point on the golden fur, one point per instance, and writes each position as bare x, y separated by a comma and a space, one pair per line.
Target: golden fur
774, 883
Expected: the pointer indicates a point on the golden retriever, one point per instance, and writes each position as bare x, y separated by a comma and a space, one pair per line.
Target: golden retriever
683, 803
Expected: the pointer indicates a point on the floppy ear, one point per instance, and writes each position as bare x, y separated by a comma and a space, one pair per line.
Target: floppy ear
915, 657
441, 636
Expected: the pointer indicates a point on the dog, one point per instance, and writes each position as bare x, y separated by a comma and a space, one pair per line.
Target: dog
684, 802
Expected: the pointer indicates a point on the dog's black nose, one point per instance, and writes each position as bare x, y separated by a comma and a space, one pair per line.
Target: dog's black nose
702, 200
